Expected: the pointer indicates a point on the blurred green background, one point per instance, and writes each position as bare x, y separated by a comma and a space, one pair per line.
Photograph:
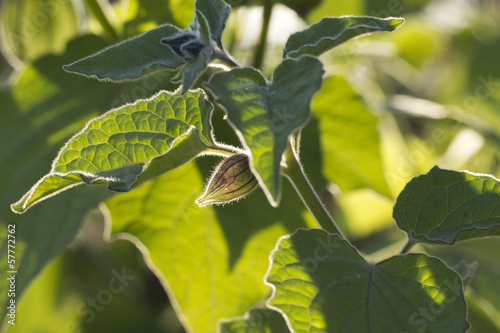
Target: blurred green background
432, 87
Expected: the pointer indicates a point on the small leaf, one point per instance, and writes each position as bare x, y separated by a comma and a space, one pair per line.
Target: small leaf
216, 12
333, 31
126, 143
444, 206
231, 180
193, 69
322, 284
256, 321
265, 113
185, 45
130, 59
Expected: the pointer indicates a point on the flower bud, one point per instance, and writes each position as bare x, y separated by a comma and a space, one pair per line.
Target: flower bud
231, 180
186, 45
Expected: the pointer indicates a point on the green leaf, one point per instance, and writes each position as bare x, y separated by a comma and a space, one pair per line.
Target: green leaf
60, 298
192, 70
482, 293
211, 260
131, 58
264, 113
442, 204
323, 285
333, 31
349, 138
216, 13
117, 147
256, 321
45, 106
32, 28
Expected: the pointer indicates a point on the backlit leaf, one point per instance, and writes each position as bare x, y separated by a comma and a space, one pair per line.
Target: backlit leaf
118, 147
32, 28
445, 206
333, 31
264, 113
211, 260
322, 284
349, 138
131, 58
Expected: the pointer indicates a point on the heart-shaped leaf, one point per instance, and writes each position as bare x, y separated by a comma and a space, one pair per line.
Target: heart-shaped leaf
264, 113
321, 284
445, 206
146, 138
131, 58
333, 31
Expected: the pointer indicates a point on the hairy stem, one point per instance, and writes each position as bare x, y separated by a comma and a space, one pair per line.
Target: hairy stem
224, 58
96, 7
261, 47
408, 245
294, 172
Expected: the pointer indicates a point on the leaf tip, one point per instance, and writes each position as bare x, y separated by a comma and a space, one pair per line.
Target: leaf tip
17, 207
396, 22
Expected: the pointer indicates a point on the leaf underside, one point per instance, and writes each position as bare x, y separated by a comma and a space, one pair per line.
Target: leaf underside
131, 58
144, 139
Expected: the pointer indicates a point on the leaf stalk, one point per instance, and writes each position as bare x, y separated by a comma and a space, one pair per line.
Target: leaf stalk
261, 47
294, 172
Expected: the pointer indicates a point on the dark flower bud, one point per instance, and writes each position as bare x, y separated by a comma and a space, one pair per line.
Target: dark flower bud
185, 45
231, 180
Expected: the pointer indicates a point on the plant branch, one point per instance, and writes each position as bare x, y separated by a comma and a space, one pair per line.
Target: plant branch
96, 7
294, 172
221, 149
261, 47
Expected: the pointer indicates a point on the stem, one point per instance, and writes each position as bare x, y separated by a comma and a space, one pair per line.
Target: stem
411, 241
226, 59
96, 7
220, 149
261, 47
297, 177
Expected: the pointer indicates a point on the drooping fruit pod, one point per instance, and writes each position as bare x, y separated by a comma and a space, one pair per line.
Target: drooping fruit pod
231, 180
